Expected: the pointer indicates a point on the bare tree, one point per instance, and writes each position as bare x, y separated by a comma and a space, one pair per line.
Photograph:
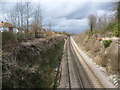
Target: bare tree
103, 22
21, 14
37, 20
38, 16
92, 22
11, 17
28, 13
16, 15
16, 7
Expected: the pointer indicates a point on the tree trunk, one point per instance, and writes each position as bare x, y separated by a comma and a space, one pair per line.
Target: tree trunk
91, 28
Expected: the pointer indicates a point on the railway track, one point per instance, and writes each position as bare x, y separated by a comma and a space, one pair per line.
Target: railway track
78, 74
84, 80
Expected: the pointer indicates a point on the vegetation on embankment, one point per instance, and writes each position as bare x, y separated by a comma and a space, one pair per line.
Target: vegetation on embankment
104, 52
31, 64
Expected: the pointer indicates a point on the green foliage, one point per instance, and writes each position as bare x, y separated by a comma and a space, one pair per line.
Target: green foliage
116, 31
54, 53
66, 33
107, 43
8, 38
111, 26
50, 60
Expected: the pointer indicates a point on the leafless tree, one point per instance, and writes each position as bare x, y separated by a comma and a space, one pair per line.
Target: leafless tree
16, 15
38, 16
28, 13
11, 17
37, 20
92, 22
20, 15
103, 22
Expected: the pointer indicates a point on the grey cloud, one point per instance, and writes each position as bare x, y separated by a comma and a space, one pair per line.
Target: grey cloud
66, 16
89, 8
74, 10
72, 25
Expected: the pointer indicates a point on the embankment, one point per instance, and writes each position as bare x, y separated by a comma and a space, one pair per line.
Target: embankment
32, 64
102, 52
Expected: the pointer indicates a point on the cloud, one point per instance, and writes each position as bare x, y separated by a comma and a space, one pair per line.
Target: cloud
103, 12
72, 16
67, 16
71, 25
59, 10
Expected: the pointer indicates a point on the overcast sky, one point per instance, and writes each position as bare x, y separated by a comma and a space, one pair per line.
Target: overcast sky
66, 16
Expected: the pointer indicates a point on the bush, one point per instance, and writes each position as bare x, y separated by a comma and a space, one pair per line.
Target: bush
24, 36
107, 43
111, 26
8, 37
116, 31
66, 33
20, 36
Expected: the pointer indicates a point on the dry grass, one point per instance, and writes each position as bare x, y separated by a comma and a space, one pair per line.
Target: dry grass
112, 56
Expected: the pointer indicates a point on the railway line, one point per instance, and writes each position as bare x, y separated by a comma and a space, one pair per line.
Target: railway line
77, 73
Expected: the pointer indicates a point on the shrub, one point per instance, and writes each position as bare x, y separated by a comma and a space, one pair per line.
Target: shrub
111, 26
107, 43
20, 36
66, 33
8, 37
29, 36
116, 31
24, 36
